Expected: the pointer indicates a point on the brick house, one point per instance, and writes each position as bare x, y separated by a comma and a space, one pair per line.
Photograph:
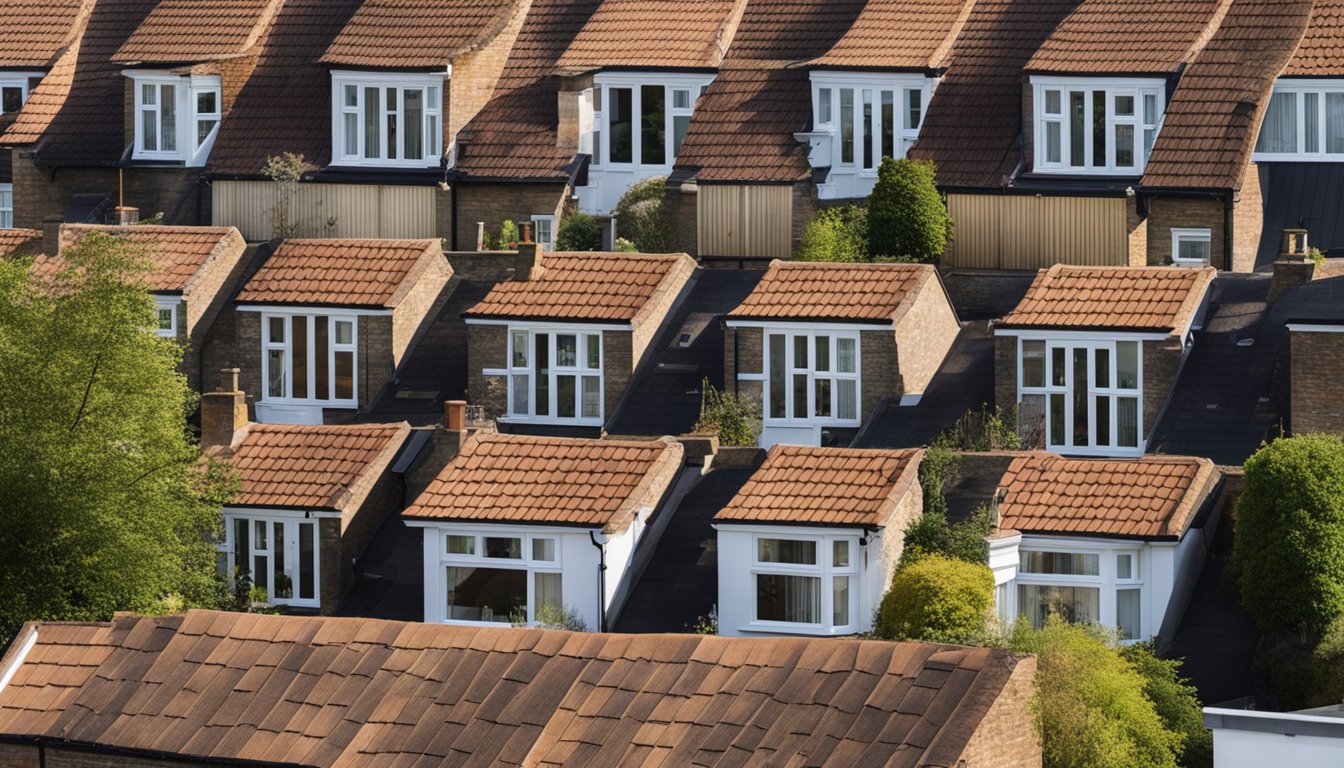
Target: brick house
323, 325
308, 502
322, 692
1115, 542
823, 346
514, 524
1091, 354
554, 350
809, 544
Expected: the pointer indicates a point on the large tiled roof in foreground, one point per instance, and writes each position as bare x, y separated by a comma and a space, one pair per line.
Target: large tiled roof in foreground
1151, 497
310, 467
329, 692
188, 31
417, 34
557, 481
584, 286
899, 34
1112, 298
19, 242
175, 253
800, 485
33, 32
1105, 37
341, 272
798, 290
654, 33
1321, 51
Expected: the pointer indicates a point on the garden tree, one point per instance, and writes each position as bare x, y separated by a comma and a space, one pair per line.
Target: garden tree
835, 234
907, 220
579, 232
1175, 701
1289, 534
640, 216
937, 599
104, 501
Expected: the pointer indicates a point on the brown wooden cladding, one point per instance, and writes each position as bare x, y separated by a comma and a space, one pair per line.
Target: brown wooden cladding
1028, 232
744, 220
328, 210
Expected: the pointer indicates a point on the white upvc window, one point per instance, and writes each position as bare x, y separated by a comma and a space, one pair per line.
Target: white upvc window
310, 358
14, 90
387, 119
807, 582
543, 232
499, 578
176, 118
1094, 585
166, 310
811, 377
6, 206
1085, 395
1191, 246
554, 374
640, 119
868, 115
1095, 126
1304, 121
278, 552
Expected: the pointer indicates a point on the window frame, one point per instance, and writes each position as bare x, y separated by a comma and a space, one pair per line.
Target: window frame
1107, 581
1114, 88
169, 304
825, 570
599, 139
868, 89
292, 522
190, 148
549, 220
1192, 234
835, 335
6, 206
432, 126
287, 345
1322, 88
21, 80
477, 559
527, 372
1112, 391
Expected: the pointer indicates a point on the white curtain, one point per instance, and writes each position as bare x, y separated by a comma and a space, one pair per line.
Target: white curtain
1279, 131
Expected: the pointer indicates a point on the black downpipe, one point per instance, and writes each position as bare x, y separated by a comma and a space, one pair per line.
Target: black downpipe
601, 582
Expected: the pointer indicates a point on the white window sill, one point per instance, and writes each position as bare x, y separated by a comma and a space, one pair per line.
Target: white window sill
551, 422
1289, 157
1116, 172
788, 628
1069, 450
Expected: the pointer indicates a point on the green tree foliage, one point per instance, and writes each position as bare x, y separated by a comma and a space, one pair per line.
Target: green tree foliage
640, 215
1090, 704
105, 504
1175, 701
937, 599
907, 220
579, 232
734, 417
836, 234
1289, 535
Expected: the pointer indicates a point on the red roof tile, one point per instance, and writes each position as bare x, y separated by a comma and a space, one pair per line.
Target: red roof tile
190, 31
1151, 497
654, 33
344, 273
1321, 51
175, 253
586, 286
418, 34
798, 290
19, 242
33, 32
560, 481
1101, 37
825, 486
313, 467
1113, 298
900, 34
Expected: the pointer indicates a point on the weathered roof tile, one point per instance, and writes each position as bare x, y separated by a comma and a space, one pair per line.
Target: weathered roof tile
586, 287
1113, 298
346, 273
794, 290
418, 34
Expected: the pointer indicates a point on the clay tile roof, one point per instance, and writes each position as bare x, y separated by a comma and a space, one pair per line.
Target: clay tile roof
1321, 52
33, 32
1112, 298
798, 290
899, 34
342, 273
973, 121
76, 116
189, 31
19, 242
825, 486
1102, 37
312, 467
328, 692
1148, 498
285, 106
176, 253
417, 34
654, 33
777, 31
1210, 127
584, 286
559, 481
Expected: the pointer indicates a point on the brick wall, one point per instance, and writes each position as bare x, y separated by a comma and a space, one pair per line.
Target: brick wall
924, 336
414, 310
1317, 367
651, 316
681, 214
1005, 371
335, 569
178, 193
880, 374
805, 207
493, 203
1138, 233
1161, 364
743, 351
1248, 219
487, 347
27, 756
618, 365
1006, 736
1167, 212
909, 508
475, 74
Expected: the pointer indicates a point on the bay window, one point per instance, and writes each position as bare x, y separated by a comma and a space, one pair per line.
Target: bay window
387, 119
500, 578
176, 118
1096, 126
642, 118
309, 358
1088, 395
1081, 587
278, 553
1304, 120
806, 580
870, 116
554, 375
812, 377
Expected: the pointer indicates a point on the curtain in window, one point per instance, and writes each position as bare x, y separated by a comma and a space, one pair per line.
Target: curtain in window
1077, 605
1279, 131
1127, 613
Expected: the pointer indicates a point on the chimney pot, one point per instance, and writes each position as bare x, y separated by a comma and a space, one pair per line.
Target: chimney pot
455, 415
1294, 244
229, 379
126, 215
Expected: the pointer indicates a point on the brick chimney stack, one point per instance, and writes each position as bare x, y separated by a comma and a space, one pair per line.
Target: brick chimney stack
223, 412
528, 262
51, 235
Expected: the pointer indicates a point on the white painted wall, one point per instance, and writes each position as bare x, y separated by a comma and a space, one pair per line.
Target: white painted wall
1296, 739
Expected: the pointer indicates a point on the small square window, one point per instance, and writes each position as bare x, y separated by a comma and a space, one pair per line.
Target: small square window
504, 547
207, 102
276, 332
1124, 567
165, 318
681, 99
345, 332
1191, 246
543, 550
461, 545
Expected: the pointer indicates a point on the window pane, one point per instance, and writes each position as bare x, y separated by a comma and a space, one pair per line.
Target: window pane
681, 99
1150, 109
777, 376
1058, 373
1052, 142
11, 99
1192, 248
847, 125
800, 396
1127, 613
680, 124
914, 109
653, 128
242, 546
824, 105
461, 545
1278, 132
345, 332
888, 123
622, 126
1060, 563
541, 403
788, 598
351, 95
1033, 363
203, 129
1127, 421
1098, 129
207, 102
1311, 119
284, 587
566, 350
149, 129
299, 326
393, 142
275, 373
276, 330
845, 357
592, 397
506, 547
372, 135
321, 355
865, 127
1057, 419
823, 397
165, 319
823, 344
1103, 417
1127, 364
413, 100
345, 375
795, 551
1077, 128
593, 350
799, 352
549, 592
1030, 416
1124, 146
1124, 106
1080, 605
519, 339
1334, 123
566, 392
840, 553
520, 387
486, 594
308, 561
1080, 397
1052, 102
1124, 567
847, 399
840, 601
168, 118
544, 550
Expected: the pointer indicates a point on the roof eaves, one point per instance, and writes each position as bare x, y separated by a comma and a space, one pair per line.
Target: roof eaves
431, 251
672, 454
902, 486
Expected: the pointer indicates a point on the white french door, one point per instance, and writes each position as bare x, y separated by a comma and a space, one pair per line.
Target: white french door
280, 556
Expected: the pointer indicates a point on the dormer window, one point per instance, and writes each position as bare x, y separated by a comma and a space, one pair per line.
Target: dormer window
1093, 126
858, 118
1304, 121
387, 120
176, 118
14, 90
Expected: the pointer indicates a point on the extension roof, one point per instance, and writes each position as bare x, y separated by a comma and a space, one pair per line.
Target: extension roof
177, 254
326, 466
19, 242
557, 481
899, 34
192, 31
1155, 497
800, 485
799, 290
1104, 37
663, 34
341, 273
335, 692
1321, 51
34, 32
417, 34
1162, 299
585, 286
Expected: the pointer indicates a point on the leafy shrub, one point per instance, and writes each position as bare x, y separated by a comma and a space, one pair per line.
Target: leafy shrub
508, 234
937, 599
1328, 666
990, 429
1289, 534
552, 616
1176, 703
625, 246
1284, 660
579, 232
836, 234
734, 417
907, 220
640, 215
707, 624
